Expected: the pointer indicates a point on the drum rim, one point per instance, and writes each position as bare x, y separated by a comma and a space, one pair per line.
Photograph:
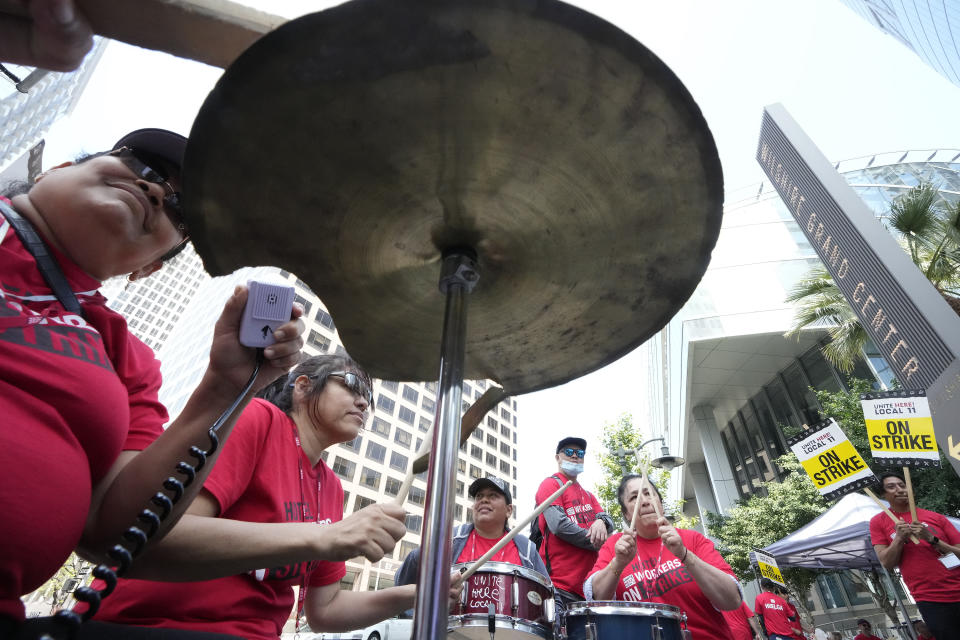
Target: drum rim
623, 607
508, 568
483, 619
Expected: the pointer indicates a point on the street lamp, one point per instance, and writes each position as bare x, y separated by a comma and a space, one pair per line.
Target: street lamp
665, 461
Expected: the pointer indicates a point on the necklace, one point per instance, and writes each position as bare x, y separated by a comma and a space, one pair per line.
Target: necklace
499, 557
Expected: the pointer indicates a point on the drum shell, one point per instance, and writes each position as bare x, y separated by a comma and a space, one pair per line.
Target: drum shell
494, 584
612, 620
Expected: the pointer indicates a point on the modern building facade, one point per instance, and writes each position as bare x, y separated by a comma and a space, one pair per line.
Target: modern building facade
175, 313
26, 117
929, 28
724, 379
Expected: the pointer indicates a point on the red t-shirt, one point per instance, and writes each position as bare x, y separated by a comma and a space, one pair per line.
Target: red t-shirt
775, 611
569, 563
255, 479
656, 575
74, 393
738, 621
477, 545
926, 577
793, 613
861, 636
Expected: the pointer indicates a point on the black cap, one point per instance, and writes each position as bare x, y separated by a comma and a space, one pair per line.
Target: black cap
863, 621
490, 481
166, 144
580, 443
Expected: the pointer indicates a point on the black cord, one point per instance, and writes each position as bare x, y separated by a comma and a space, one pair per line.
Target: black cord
9, 74
135, 538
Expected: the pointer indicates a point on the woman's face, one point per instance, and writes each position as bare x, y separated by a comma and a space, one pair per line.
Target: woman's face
649, 503
337, 412
105, 218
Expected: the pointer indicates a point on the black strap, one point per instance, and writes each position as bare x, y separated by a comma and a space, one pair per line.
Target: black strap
49, 268
546, 534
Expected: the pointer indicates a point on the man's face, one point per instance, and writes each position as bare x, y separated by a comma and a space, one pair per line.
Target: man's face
894, 490
864, 627
490, 509
571, 453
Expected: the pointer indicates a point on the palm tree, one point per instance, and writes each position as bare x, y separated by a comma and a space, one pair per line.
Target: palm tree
928, 229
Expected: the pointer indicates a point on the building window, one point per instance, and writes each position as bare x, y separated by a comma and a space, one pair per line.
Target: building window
428, 405
504, 414
417, 496
411, 394
385, 403
476, 452
419, 444
492, 460
407, 415
376, 452
402, 438
478, 434
461, 465
492, 441
431, 386
389, 385
405, 548
344, 468
370, 478
424, 424
324, 318
352, 444
475, 472
392, 487
380, 427
504, 466
413, 522
505, 430
361, 502
504, 448
491, 422
307, 305
460, 486
318, 340
346, 499
398, 461
458, 512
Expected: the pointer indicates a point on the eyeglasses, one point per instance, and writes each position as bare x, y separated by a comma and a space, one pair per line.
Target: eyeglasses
355, 383
574, 453
171, 202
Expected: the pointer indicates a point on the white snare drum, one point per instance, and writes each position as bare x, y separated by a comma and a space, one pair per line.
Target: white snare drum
521, 601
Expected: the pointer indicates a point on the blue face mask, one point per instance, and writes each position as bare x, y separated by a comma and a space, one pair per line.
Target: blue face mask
571, 468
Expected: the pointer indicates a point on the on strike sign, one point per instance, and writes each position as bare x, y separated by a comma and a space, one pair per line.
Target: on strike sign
830, 460
900, 428
768, 568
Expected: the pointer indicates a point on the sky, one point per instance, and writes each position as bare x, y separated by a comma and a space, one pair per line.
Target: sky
854, 90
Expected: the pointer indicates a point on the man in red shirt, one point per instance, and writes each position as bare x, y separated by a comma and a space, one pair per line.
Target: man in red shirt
866, 631
930, 569
776, 614
574, 527
743, 623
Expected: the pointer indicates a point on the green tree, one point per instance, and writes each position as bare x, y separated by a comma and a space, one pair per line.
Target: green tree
623, 435
928, 229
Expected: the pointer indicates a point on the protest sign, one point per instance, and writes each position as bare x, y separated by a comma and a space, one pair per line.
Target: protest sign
768, 567
900, 428
830, 460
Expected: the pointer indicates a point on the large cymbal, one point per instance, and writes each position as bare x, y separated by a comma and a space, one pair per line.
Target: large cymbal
353, 146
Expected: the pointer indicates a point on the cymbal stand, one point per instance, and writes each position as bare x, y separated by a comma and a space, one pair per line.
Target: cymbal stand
458, 276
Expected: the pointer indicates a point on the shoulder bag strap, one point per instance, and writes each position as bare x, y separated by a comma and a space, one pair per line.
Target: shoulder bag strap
47, 264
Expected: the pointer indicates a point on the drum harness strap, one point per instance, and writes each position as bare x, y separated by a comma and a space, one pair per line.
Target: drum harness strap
546, 533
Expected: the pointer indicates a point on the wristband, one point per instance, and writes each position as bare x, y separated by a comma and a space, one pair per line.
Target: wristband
684, 558
934, 541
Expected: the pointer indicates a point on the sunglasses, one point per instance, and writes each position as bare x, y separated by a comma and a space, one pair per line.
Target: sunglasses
355, 383
141, 167
574, 453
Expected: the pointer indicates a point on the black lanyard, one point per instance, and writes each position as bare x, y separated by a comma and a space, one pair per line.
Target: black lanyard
47, 264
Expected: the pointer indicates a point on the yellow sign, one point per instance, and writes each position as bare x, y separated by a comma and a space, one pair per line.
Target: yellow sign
768, 568
900, 428
831, 460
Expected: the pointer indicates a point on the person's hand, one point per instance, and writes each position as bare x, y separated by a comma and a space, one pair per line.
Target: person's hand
671, 538
903, 529
922, 531
456, 588
231, 363
598, 533
372, 532
626, 549
55, 36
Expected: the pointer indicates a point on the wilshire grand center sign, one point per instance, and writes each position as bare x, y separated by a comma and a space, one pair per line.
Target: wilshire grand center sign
908, 320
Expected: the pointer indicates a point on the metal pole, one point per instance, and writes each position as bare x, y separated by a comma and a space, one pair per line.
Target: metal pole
903, 609
458, 276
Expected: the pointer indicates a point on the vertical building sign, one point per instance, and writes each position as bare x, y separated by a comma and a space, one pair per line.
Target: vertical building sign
911, 324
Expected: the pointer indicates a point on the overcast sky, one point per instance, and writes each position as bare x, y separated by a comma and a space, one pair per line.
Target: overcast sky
854, 90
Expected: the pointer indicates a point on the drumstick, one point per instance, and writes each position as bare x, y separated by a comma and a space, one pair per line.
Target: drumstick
887, 511
913, 505
468, 424
520, 526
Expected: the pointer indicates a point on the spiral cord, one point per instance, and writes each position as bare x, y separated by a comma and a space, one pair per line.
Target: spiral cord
135, 538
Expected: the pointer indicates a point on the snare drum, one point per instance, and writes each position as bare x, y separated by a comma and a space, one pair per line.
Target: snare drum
614, 619
522, 601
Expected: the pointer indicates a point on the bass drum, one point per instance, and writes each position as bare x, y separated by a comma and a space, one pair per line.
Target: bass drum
516, 602
613, 620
